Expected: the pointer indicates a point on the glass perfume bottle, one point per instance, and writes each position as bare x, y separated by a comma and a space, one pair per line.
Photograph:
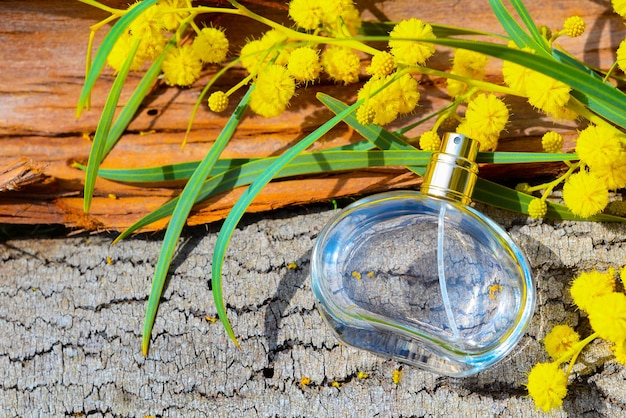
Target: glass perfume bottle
423, 277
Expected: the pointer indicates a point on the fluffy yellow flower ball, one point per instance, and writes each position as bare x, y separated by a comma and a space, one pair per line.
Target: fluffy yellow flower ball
341, 64
430, 141
274, 88
552, 142
547, 94
382, 64
487, 114
589, 286
598, 146
407, 51
574, 26
365, 114
211, 45
607, 316
304, 64
547, 386
401, 96
485, 118
560, 340
306, 13
585, 194
181, 66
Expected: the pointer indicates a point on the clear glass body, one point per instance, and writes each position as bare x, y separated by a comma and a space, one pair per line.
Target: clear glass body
423, 280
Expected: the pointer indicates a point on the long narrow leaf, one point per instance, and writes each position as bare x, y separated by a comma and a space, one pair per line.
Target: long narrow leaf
515, 31
183, 171
130, 108
501, 157
105, 48
529, 22
165, 173
102, 131
304, 164
567, 59
242, 204
180, 214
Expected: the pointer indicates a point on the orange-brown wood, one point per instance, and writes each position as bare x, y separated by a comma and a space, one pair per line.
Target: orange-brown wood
42, 69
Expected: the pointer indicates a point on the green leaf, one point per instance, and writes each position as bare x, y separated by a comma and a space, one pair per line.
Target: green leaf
567, 59
240, 207
334, 158
165, 173
182, 171
98, 146
130, 108
181, 212
304, 164
105, 48
516, 32
500, 157
528, 21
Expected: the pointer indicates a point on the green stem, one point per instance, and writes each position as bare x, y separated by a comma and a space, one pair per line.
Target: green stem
554, 37
92, 35
548, 187
575, 351
479, 84
608, 73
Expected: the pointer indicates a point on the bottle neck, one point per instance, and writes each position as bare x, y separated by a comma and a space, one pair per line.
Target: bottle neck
452, 171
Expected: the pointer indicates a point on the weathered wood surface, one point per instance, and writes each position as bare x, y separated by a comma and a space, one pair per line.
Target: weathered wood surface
71, 309
43, 47
70, 325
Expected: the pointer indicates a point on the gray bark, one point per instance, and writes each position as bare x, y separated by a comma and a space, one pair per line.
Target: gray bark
70, 331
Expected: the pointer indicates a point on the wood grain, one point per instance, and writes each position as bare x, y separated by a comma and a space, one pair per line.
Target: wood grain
44, 44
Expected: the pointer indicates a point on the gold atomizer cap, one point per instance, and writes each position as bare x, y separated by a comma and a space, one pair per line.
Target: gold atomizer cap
452, 171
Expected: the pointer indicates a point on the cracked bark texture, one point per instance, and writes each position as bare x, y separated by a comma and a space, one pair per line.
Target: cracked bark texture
71, 314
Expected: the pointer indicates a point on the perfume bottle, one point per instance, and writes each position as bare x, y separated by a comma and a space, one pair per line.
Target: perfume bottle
424, 278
